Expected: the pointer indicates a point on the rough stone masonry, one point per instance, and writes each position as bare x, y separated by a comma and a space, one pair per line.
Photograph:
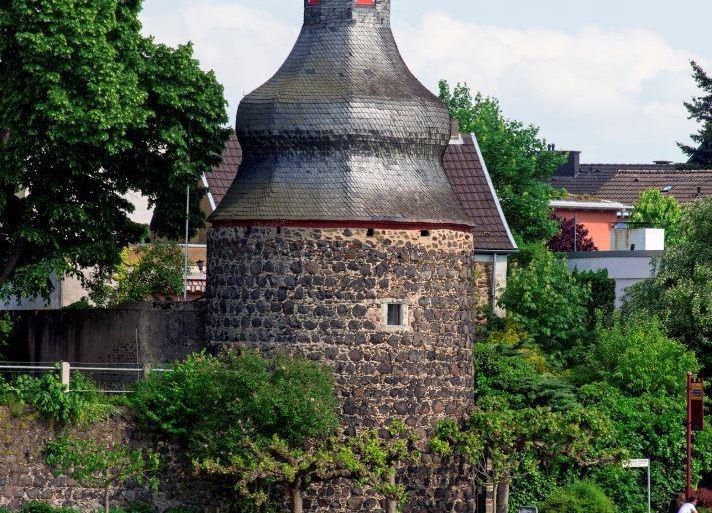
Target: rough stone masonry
341, 239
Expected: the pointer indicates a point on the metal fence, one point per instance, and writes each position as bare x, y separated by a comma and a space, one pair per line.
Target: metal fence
108, 378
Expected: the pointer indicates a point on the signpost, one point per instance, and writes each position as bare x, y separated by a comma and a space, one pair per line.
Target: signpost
695, 421
641, 463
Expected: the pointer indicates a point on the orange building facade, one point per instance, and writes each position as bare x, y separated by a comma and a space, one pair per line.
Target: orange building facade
599, 217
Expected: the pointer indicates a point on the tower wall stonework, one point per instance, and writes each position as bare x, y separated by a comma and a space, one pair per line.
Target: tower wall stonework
320, 293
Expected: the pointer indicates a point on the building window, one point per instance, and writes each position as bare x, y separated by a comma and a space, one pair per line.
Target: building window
425, 233
394, 315
370, 232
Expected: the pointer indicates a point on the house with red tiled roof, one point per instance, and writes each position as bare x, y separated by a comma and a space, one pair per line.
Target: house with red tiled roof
467, 173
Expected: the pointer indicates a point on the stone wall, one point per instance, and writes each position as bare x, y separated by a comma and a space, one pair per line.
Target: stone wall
24, 476
131, 333
321, 293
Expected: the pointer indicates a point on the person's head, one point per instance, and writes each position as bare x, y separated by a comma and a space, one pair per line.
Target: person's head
693, 500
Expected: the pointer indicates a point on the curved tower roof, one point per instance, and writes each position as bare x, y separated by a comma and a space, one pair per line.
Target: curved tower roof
343, 131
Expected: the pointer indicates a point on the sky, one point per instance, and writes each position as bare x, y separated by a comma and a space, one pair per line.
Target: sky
605, 77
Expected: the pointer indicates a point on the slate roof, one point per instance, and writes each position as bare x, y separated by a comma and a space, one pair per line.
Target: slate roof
468, 175
625, 183
465, 171
343, 131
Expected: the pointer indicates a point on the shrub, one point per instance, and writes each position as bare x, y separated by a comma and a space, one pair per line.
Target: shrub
603, 292
51, 399
579, 497
43, 507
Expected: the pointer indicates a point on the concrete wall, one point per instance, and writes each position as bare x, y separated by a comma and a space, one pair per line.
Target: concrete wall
626, 267
133, 333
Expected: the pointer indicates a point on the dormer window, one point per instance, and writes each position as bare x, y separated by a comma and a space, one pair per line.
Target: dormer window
366, 2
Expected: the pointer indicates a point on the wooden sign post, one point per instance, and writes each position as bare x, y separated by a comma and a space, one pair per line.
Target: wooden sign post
695, 420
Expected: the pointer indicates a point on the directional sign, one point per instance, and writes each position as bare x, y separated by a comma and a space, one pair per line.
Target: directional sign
637, 464
697, 404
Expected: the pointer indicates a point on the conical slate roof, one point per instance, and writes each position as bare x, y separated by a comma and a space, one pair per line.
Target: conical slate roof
343, 131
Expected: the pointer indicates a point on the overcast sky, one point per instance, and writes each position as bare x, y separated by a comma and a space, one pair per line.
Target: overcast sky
607, 77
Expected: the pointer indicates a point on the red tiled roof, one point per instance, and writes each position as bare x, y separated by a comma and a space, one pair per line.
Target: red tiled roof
463, 168
222, 176
626, 183
469, 179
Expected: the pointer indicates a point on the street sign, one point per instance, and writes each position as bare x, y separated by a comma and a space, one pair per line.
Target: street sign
637, 464
697, 404
528, 509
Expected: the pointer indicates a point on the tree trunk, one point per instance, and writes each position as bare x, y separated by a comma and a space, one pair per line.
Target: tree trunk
503, 496
297, 496
106, 498
391, 504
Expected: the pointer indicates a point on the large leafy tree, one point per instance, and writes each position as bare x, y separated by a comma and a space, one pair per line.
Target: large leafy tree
90, 109
700, 109
680, 293
517, 158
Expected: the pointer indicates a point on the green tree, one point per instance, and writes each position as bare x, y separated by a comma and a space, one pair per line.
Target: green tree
251, 419
547, 302
634, 374
700, 109
90, 109
656, 210
517, 158
680, 293
145, 272
98, 466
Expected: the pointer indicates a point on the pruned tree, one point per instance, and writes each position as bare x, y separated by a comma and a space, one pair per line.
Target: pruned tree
101, 466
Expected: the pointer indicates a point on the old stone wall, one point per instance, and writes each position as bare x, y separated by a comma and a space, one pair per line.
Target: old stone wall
323, 293
24, 476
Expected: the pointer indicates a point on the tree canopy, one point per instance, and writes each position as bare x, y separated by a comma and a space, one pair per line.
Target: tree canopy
517, 158
572, 236
89, 110
700, 110
680, 292
656, 210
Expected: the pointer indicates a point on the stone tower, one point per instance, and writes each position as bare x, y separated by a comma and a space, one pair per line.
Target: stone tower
341, 238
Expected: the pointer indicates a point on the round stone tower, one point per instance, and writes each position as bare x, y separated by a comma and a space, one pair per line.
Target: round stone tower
341, 238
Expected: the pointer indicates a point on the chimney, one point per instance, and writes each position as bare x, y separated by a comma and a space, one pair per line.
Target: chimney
572, 166
454, 131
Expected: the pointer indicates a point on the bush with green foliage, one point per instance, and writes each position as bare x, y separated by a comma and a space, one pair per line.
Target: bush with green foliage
603, 293
635, 374
656, 210
53, 400
43, 507
578, 497
547, 302
145, 272
680, 293
241, 414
